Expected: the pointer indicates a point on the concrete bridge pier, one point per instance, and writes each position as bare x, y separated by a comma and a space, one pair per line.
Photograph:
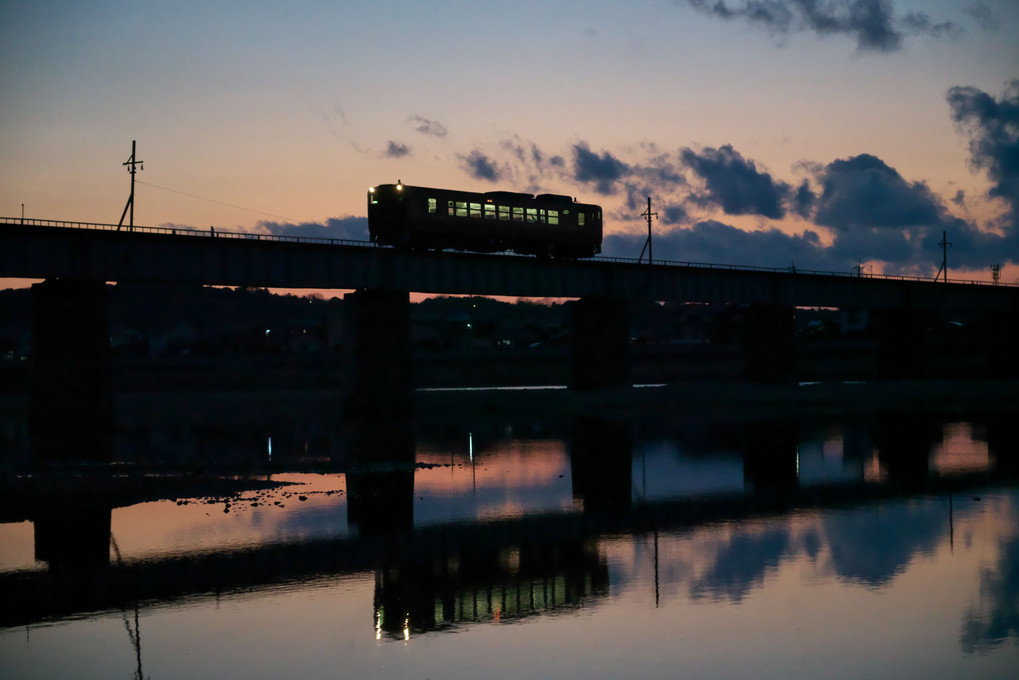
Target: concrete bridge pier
902, 337
1001, 351
377, 341
767, 337
380, 479
71, 400
600, 344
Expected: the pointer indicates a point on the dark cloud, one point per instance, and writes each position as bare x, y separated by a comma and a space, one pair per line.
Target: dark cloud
983, 15
871, 23
428, 127
712, 241
603, 170
734, 184
803, 200
527, 162
993, 129
396, 150
480, 166
865, 192
674, 214
920, 23
879, 215
347, 228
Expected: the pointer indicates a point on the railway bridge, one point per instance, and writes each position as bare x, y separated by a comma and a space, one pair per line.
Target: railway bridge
76, 260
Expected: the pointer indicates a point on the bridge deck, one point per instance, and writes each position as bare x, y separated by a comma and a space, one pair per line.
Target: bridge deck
49, 249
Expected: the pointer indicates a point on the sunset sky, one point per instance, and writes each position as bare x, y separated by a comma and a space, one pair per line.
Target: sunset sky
819, 133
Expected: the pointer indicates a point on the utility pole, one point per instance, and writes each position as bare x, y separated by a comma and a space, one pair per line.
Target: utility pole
945, 245
647, 244
130, 163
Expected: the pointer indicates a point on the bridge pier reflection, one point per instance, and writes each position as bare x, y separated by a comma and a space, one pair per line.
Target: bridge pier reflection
904, 443
601, 461
1003, 442
380, 481
74, 536
71, 401
600, 343
770, 454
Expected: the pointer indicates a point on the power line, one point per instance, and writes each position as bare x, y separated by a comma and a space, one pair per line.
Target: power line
212, 200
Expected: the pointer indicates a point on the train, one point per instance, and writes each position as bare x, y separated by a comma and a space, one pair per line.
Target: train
545, 225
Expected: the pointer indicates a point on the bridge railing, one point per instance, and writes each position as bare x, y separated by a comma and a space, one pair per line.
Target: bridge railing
212, 232
798, 270
249, 236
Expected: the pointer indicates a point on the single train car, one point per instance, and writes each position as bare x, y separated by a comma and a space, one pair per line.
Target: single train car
547, 225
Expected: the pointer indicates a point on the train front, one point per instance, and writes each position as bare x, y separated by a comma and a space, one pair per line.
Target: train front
386, 214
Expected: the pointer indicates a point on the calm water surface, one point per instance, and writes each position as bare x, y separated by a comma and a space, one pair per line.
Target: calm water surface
884, 546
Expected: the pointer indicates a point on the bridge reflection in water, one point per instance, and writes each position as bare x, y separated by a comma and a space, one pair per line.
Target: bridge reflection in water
488, 522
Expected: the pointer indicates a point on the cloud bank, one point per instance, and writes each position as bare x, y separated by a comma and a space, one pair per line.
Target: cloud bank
846, 211
872, 24
345, 228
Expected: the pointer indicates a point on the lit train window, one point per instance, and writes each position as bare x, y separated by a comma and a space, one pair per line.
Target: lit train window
553, 217
489, 211
504, 212
518, 214
541, 216
580, 219
532, 214
475, 210
432, 206
451, 208
461, 208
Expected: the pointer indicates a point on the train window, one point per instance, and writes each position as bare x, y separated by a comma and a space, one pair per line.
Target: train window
461, 208
451, 208
475, 210
518, 214
580, 219
504, 212
541, 216
432, 206
532, 214
489, 211
553, 217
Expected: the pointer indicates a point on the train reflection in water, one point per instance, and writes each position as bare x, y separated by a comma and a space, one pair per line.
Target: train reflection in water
487, 583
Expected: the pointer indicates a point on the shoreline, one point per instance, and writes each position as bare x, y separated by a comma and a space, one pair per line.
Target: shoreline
695, 398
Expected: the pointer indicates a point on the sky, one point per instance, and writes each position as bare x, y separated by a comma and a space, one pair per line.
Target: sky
820, 134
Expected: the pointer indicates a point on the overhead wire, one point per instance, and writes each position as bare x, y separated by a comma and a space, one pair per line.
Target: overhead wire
212, 200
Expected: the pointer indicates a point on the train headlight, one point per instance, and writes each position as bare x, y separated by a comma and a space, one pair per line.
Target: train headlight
371, 190
399, 185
